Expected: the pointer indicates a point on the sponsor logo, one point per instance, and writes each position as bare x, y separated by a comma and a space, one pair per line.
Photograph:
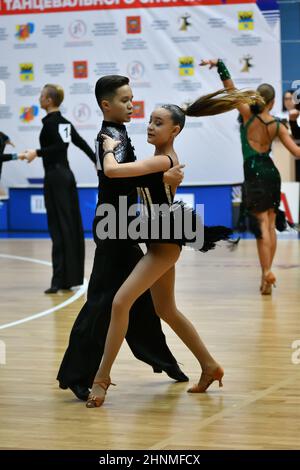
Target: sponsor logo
138, 109
82, 112
247, 63
186, 66
28, 113
135, 70
77, 29
133, 24
26, 72
184, 22
80, 69
24, 31
246, 20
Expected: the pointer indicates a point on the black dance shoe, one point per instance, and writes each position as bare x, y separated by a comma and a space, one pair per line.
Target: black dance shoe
174, 372
55, 289
80, 392
52, 290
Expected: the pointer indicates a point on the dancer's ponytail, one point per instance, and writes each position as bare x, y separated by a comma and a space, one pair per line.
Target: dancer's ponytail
222, 101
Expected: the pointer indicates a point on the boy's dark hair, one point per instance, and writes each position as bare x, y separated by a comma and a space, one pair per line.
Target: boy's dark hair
107, 86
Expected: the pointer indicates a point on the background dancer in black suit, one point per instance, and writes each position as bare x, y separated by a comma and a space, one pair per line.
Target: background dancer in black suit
61, 197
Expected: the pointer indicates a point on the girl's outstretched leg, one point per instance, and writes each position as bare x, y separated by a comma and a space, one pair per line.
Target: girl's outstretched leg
151, 267
164, 302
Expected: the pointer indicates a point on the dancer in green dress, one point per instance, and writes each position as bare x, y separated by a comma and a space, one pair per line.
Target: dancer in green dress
261, 189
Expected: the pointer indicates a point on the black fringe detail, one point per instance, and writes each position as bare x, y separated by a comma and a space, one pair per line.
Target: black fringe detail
254, 226
281, 221
214, 234
248, 221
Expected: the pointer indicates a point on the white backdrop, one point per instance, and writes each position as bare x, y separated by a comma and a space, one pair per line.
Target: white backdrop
159, 46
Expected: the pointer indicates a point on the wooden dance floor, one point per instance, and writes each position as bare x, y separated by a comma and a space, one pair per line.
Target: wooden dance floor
250, 335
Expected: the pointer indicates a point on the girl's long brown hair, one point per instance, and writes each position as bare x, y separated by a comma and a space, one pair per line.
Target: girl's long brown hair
222, 101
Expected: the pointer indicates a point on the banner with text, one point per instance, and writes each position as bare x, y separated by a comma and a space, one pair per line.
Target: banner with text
158, 44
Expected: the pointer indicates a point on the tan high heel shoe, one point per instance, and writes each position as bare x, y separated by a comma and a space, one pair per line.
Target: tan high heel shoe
93, 401
206, 380
269, 281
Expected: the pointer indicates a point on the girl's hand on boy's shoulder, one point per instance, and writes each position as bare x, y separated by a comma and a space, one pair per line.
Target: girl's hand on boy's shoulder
108, 143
